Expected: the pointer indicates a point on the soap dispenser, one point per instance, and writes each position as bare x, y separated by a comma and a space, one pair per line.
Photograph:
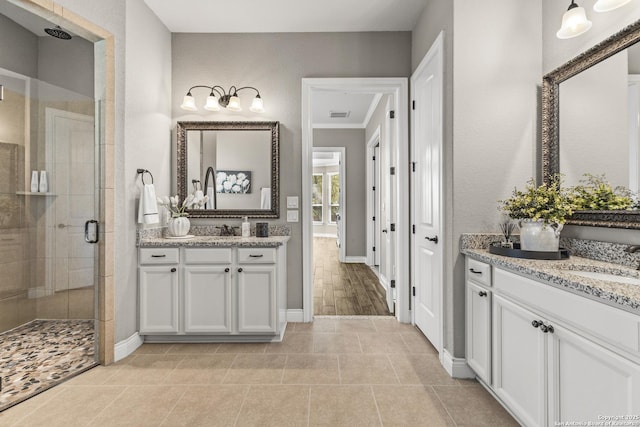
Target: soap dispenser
246, 227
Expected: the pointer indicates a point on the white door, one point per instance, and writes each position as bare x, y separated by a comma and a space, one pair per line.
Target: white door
207, 299
426, 85
588, 380
519, 355
72, 178
376, 205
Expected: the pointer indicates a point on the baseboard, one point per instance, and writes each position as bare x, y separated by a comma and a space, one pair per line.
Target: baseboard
355, 260
456, 367
128, 346
383, 282
295, 315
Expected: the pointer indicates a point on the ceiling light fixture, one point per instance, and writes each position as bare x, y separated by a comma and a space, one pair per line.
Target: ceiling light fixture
608, 5
574, 22
218, 98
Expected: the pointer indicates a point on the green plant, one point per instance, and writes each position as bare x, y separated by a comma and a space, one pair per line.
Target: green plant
596, 193
548, 202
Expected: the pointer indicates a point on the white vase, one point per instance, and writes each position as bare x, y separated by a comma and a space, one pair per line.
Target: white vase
179, 226
34, 181
535, 235
44, 182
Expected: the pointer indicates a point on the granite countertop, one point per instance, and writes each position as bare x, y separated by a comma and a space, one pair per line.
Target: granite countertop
214, 241
620, 295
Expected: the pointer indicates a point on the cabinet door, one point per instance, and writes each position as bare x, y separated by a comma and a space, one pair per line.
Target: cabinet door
588, 381
479, 330
207, 299
519, 354
159, 300
257, 303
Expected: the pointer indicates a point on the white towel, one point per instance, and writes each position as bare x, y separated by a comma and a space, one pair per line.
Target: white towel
211, 195
265, 198
148, 208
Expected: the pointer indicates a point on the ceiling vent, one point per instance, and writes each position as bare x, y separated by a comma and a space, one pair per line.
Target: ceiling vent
339, 114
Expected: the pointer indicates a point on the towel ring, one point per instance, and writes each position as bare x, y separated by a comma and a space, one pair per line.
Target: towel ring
142, 172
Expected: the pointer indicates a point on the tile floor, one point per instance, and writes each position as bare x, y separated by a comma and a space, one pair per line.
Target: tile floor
367, 371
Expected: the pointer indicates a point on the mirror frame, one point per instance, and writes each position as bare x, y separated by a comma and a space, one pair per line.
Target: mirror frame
273, 127
551, 123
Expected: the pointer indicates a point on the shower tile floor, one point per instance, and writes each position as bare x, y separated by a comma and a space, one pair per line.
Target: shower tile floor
41, 354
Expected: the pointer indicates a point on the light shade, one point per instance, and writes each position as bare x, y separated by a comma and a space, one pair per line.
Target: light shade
189, 103
574, 22
257, 105
212, 103
607, 5
234, 103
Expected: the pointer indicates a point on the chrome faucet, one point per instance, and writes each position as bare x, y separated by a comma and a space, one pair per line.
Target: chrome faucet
632, 250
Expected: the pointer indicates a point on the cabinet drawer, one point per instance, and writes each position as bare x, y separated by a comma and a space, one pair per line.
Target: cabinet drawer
159, 255
208, 256
257, 255
479, 271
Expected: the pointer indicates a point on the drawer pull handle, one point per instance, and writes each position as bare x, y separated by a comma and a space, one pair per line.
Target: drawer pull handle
240, 270
482, 293
475, 271
536, 323
226, 270
158, 256
547, 329
256, 256
173, 270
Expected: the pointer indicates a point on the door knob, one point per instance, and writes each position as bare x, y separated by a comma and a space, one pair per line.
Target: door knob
432, 239
482, 293
384, 230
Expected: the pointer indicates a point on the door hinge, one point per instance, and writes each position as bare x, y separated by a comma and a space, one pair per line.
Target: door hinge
413, 291
413, 104
374, 249
392, 114
374, 218
413, 229
392, 170
393, 227
392, 284
374, 157
374, 188
413, 166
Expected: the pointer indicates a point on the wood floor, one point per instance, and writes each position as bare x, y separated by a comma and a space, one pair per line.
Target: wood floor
344, 289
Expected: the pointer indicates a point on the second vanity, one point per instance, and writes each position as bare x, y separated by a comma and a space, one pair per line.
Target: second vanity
553, 345
212, 289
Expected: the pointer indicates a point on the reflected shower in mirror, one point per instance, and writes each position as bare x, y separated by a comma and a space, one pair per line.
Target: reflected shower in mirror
234, 163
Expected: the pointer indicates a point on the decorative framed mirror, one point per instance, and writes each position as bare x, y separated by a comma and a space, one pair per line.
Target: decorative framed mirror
236, 164
588, 104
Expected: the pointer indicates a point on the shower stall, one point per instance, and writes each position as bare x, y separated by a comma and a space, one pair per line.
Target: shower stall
49, 206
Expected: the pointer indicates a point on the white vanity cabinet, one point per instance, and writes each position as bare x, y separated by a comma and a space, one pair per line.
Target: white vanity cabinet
478, 319
555, 357
158, 290
213, 294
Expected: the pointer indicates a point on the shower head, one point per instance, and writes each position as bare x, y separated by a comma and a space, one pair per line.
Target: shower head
58, 33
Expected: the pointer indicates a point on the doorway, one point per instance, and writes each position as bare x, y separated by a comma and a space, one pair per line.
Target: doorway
395, 91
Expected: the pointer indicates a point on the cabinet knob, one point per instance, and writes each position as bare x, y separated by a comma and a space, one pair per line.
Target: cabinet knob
482, 293
546, 329
536, 323
173, 270
226, 270
240, 270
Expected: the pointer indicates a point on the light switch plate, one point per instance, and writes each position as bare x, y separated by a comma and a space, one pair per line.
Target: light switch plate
292, 216
292, 202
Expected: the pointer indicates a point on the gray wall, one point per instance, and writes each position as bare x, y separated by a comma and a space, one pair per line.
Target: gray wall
276, 63
67, 63
19, 48
355, 183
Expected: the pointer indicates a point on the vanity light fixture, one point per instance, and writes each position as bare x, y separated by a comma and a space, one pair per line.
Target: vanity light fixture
607, 5
219, 98
574, 22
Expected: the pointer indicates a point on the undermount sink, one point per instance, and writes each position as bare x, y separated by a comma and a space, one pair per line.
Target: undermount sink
608, 277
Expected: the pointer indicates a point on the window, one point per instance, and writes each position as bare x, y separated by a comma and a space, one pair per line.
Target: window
317, 187
334, 196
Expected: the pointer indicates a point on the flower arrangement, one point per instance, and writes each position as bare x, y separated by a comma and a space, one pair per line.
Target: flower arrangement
596, 193
547, 202
177, 209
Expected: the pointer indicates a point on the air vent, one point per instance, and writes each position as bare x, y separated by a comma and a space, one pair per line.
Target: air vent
339, 114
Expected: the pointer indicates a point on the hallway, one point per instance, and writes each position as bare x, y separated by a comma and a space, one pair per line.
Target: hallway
344, 289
